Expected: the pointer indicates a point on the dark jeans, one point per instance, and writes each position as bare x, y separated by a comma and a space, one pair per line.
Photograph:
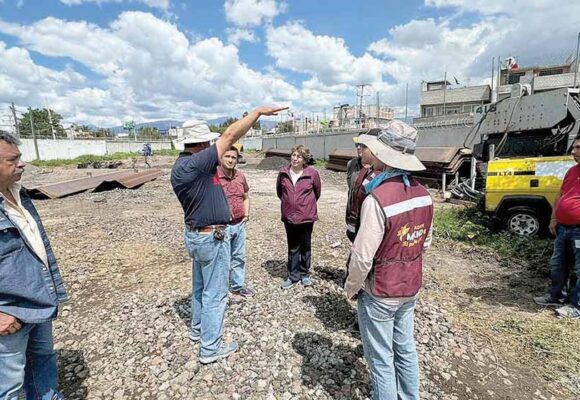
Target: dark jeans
299, 238
567, 241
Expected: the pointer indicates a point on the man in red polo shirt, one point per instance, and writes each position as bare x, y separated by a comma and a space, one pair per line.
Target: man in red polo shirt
565, 224
236, 189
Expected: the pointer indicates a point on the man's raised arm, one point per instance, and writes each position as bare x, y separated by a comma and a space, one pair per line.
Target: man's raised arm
240, 127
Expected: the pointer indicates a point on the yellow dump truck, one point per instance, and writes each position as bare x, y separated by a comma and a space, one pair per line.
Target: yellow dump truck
520, 192
240, 148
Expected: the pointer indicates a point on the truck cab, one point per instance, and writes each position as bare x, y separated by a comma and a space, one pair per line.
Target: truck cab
520, 192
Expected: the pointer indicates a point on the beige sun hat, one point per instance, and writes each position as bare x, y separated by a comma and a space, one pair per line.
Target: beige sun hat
395, 146
197, 131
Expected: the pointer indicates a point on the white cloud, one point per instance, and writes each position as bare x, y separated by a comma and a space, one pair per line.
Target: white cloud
455, 50
149, 69
325, 58
252, 12
490, 7
425, 49
236, 36
162, 4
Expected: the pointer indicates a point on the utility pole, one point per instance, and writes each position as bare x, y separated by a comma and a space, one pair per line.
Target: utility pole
50, 122
498, 80
16, 130
406, 100
493, 91
378, 109
33, 134
444, 92
577, 48
360, 94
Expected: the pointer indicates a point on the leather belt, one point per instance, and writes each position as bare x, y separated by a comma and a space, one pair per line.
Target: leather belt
205, 229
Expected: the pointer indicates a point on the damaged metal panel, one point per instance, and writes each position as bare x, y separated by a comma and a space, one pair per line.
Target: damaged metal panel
66, 188
130, 181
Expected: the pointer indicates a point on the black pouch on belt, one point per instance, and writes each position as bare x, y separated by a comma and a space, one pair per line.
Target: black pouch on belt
219, 233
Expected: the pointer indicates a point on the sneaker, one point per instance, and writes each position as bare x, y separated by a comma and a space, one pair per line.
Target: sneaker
225, 351
306, 281
568, 312
194, 337
247, 292
244, 292
287, 284
548, 300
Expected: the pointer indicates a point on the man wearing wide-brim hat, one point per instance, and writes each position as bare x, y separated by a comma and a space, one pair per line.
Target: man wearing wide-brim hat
385, 271
196, 183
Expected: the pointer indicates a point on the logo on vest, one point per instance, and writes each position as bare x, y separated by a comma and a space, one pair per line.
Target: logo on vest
411, 237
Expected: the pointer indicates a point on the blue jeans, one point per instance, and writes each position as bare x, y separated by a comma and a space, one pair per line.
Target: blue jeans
568, 237
387, 334
238, 255
210, 281
28, 361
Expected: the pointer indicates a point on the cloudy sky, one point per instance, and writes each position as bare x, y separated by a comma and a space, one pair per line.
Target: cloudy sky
107, 61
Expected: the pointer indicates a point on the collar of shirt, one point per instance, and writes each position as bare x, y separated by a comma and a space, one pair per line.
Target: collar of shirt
15, 190
222, 174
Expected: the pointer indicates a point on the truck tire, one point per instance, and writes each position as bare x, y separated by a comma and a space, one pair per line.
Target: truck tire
523, 222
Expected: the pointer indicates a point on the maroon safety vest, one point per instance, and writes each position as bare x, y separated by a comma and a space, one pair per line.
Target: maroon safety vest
359, 195
398, 263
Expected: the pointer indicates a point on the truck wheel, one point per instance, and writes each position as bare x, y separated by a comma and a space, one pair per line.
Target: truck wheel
523, 222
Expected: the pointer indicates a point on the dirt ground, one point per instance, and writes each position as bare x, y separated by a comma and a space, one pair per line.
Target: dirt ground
124, 332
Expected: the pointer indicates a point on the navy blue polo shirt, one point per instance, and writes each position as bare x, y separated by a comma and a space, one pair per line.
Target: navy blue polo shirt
196, 183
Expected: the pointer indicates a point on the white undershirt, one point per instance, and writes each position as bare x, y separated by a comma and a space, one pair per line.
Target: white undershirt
295, 176
24, 220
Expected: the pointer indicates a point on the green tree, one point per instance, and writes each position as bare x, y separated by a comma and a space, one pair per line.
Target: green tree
286, 126
228, 122
216, 128
41, 122
102, 132
149, 132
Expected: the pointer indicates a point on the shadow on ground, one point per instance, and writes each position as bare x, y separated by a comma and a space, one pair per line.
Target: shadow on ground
182, 308
339, 370
276, 268
72, 372
331, 274
514, 288
333, 310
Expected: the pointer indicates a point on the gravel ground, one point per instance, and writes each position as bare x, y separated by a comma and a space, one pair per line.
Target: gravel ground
124, 333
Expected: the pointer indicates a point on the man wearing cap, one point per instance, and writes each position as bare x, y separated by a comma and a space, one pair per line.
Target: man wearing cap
358, 174
196, 183
385, 270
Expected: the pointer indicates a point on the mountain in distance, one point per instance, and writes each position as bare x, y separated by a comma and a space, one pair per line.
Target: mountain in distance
165, 124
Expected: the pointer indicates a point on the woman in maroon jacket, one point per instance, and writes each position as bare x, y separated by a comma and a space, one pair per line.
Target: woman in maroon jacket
298, 187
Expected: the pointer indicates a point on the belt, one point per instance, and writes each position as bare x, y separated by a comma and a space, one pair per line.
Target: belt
204, 229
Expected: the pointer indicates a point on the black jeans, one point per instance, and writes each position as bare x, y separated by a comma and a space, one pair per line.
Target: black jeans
299, 237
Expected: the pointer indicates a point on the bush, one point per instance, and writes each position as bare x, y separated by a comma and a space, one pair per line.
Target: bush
92, 158
469, 225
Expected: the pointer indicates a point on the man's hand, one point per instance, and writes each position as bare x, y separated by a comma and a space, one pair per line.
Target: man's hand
270, 110
245, 219
239, 128
8, 324
552, 226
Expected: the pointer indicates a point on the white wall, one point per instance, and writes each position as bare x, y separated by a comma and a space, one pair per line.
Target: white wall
251, 143
132, 146
61, 149
67, 149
